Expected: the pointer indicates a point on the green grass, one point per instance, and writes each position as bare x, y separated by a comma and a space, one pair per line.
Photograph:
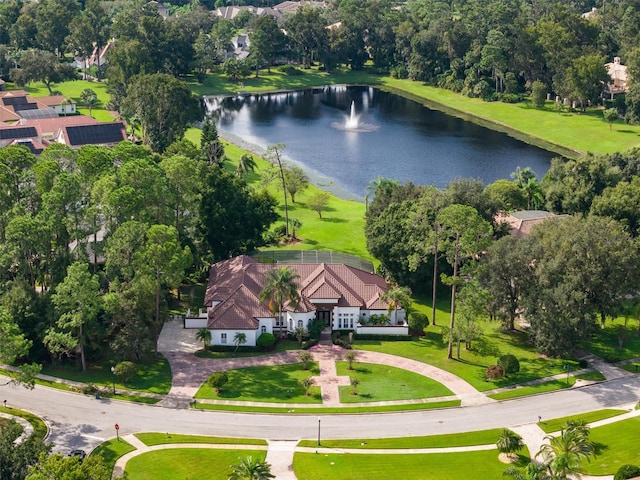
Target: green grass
182, 463
473, 364
112, 450
73, 90
281, 346
549, 386
482, 437
153, 376
39, 427
154, 438
545, 387
617, 445
329, 410
631, 367
277, 384
383, 383
604, 342
436, 466
556, 424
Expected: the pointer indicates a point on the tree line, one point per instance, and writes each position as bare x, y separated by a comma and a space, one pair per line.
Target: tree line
568, 276
94, 240
492, 49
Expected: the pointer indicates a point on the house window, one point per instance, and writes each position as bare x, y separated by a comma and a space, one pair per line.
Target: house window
263, 329
300, 324
223, 338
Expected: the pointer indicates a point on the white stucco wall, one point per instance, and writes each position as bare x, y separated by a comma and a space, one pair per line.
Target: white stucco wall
345, 318
195, 322
217, 335
382, 330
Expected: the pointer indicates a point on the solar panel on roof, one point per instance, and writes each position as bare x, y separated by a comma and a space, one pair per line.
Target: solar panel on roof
100, 133
25, 106
20, 132
39, 113
14, 101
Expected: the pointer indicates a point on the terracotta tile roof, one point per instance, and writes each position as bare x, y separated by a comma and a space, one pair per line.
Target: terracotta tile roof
49, 126
53, 100
235, 284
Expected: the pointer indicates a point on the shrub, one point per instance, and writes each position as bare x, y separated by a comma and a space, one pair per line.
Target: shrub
89, 389
510, 98
494, 372
290, 70
627, 471
125, 371
305, 358
418, 321
266, 341
315, 327
538, 94
217, 380
382, 337
509, 364
309, 343
583, 363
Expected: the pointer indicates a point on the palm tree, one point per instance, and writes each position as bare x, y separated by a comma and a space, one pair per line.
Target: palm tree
250, 469
89, 99
395, 298
239, 338
533, 471
280, 287
377, 186
509, 442
246, 164
354, 385
565, 454
204, 335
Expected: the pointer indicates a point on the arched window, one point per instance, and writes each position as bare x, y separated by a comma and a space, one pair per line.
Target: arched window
300, 324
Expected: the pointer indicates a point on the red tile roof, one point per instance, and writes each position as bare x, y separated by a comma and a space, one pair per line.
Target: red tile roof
234, 287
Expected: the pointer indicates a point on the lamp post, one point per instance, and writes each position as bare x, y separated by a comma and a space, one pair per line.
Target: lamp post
113, 379
318, 431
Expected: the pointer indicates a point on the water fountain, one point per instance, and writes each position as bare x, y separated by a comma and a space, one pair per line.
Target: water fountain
352, 123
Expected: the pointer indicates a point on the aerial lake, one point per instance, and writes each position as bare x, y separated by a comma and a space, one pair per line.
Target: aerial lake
345, 137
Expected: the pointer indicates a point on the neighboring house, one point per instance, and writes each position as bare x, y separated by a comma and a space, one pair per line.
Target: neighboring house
17, 104
339, 295
240, 49
96, 59
521, 223
618, 74
74, 131
229, 13
162, 10
591, 14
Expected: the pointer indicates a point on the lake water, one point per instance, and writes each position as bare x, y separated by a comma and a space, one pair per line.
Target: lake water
407, 141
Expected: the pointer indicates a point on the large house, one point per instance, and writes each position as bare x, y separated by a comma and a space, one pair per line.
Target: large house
341, 296
618, 74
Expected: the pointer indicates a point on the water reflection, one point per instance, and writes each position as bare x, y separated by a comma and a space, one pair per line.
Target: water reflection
412, 142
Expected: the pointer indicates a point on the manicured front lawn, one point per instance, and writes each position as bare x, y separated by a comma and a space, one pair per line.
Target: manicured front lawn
278, 384
329, 410
481, 437
617, 445
153, 438
153, 376
182, 463
604, 342
436, 466
556, 424
380, 383
472, 365
112, 450
549, 386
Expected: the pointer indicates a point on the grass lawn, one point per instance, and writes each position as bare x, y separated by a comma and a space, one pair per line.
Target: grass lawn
556, 424
155, 438
112, 450
482, 437
604, 342
546, 386
382, 383
281, 346
436, 466
278, 384
328, 410
191, 463
73, 90
40, 428
617, 445
154, 376
473, 364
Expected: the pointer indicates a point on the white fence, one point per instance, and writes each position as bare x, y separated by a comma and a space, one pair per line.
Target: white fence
382, 330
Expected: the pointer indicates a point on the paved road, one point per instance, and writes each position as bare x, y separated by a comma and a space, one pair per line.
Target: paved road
79, 421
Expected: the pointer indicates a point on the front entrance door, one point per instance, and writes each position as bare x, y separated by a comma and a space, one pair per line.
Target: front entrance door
325, 317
